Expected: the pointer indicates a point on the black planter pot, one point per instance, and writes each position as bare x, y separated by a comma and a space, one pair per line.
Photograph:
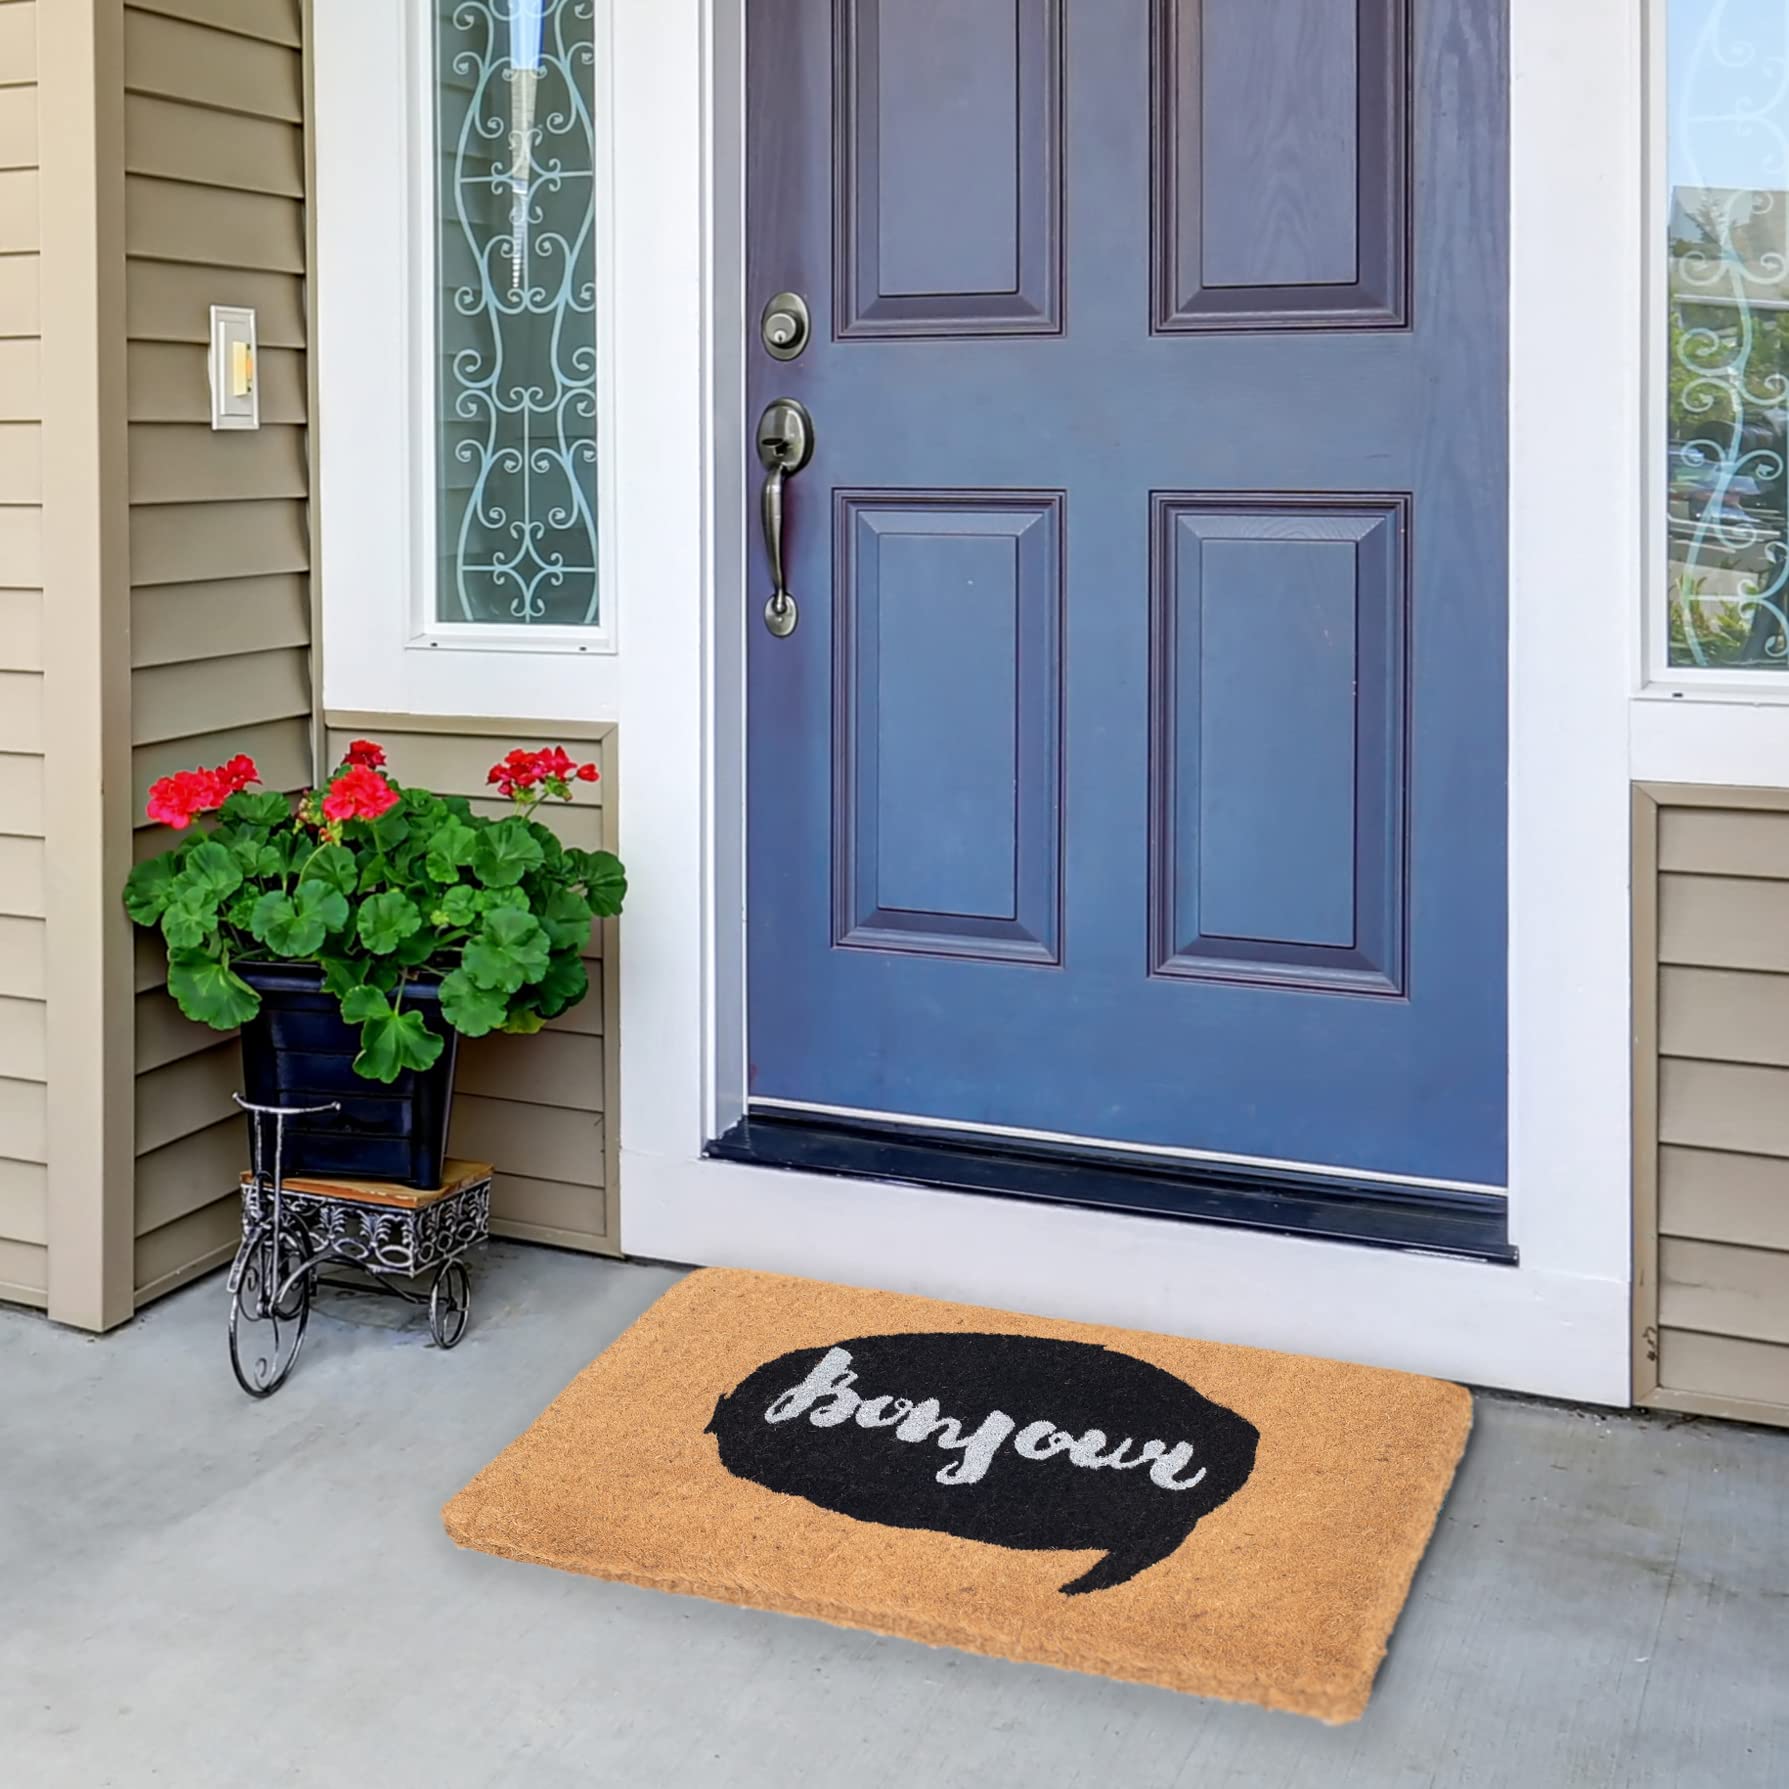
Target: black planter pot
297, 1052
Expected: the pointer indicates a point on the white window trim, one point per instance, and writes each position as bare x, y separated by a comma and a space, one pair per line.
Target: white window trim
1658, 679
385, 648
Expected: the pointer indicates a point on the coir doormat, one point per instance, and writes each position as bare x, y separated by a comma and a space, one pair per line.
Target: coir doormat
1214, 1519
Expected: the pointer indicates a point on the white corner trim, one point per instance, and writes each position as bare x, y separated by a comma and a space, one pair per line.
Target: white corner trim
1578, 194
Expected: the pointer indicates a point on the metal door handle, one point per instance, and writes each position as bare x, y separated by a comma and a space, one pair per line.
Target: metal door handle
785, 445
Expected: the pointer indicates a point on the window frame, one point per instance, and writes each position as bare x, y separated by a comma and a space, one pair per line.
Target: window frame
1657, 677
425, 630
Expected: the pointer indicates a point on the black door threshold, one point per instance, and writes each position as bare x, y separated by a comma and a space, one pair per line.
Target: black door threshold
1331, 1208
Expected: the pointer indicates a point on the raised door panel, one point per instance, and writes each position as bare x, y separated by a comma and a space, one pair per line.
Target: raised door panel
1281, 185
947, 825
948, 185
1278, 741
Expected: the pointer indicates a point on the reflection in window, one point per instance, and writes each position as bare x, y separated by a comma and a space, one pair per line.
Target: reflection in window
515, 311
1728, 296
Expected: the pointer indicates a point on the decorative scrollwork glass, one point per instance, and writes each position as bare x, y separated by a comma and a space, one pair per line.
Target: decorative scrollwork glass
1727, 554
516, 342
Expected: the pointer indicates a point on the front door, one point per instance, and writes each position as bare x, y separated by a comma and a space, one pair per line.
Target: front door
1134, 772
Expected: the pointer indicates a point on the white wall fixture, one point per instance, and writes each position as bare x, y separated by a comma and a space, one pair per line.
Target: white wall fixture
235, 386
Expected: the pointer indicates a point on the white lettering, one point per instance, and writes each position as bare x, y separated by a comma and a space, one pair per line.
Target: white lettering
869, 1413
923, 1421
831, 1372
825, 1397
1151, 1450
979, 1450
1038, 1441
1163, 1471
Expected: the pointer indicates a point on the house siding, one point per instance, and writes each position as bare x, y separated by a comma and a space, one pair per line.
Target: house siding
24, 1074
1712, 1100
220, 541
538, 1107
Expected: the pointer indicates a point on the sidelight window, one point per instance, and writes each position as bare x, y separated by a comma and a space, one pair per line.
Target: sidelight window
517, 362
1726, 341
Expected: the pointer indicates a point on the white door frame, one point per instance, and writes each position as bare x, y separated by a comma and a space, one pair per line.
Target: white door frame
1558, 1323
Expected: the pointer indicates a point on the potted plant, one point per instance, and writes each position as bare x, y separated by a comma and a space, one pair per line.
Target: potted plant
357, 935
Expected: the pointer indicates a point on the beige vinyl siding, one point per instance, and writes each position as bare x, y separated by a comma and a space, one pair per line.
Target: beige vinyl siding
24, 1145
1712, 1100
220, 537
538, 1107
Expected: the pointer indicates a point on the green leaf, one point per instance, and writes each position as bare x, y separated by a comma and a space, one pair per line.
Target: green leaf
508, 952
385, 973
459, 907
339, 975
265, 807
209, 992
212, 869
245, 847
450, 850
377, 870
606, 881
329, 904
390, 1041
149, 888
505, 853
391, 828
524, 1022
469, 1009
413, 952
275, 916
189, 920
257, 857
565, 983
566, 919
241, 909
334, 865
386, 920
296, 925
511, 950
360, 1003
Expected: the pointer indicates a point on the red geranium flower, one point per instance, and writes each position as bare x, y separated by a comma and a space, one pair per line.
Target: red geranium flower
359, 793
518, 773
178, 799
366, 753
239, 772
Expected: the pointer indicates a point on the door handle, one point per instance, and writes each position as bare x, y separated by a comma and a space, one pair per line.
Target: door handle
785, 445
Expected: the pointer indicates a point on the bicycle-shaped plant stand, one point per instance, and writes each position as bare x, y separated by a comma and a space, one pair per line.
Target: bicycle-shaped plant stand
292, 1230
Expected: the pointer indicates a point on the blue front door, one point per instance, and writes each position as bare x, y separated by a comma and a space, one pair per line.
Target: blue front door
1136, 770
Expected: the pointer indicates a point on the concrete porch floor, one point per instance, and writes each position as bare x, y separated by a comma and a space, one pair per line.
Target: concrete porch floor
199, 1590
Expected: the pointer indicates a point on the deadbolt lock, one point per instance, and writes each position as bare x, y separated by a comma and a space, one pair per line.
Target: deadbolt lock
786, 326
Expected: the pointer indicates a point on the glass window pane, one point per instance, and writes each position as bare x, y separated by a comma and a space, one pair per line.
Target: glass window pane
515, 313
1728, 297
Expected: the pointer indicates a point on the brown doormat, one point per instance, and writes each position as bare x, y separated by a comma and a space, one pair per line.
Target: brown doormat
1210, 1518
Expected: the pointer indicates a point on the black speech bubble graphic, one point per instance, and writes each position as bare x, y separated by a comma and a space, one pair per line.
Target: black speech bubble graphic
1018, 1441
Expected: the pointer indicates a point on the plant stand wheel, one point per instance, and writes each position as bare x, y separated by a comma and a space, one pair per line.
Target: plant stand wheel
270, 1310
450, 1303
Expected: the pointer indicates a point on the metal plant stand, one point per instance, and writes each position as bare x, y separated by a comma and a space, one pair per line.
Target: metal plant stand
290, 1233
